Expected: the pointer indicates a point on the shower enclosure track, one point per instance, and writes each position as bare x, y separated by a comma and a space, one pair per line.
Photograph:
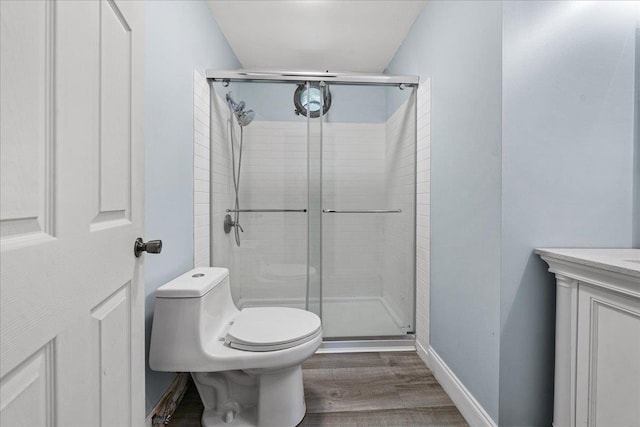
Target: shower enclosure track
305, 76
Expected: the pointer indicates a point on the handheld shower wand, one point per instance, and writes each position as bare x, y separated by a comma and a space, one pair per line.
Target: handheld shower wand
243, 118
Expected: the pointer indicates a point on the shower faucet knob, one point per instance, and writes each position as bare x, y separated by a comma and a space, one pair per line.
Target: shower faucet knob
229, 224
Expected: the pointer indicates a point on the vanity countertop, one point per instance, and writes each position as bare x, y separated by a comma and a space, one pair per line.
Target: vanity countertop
624, 261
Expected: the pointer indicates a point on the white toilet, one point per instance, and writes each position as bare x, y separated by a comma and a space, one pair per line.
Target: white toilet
246, 363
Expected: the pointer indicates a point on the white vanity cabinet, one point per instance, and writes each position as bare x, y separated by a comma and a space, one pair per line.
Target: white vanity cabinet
597, 373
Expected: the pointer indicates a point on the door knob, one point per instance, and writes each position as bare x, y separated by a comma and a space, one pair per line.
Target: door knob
152, 246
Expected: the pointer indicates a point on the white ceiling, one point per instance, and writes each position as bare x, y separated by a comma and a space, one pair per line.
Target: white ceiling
315, 35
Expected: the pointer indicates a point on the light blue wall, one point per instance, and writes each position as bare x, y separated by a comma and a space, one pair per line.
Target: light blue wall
458, 45
567, 171
636, 208
180, 36
532, 134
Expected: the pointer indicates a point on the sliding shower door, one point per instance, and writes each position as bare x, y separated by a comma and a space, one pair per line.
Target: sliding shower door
368, 223
268, 261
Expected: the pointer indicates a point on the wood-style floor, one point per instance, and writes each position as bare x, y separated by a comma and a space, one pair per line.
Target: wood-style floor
360, 389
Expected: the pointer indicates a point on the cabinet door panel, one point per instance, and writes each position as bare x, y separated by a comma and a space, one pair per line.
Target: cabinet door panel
608, 378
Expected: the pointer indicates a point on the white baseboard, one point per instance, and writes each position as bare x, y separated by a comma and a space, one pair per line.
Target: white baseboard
423, 354
468, 406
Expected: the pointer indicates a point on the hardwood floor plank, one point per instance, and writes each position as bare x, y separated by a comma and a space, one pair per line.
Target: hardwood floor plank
427, 395
413, 375
350, 397
343, 360
401, 358
444, 416
374, 375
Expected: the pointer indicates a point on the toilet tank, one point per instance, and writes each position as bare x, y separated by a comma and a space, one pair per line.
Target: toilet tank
192, 308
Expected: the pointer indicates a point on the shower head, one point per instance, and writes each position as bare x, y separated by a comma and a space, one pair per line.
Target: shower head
245, 117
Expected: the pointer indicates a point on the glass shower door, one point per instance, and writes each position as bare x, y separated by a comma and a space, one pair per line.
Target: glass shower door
268, 263
368, 219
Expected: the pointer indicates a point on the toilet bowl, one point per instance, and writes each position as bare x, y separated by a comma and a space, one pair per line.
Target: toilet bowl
246, 364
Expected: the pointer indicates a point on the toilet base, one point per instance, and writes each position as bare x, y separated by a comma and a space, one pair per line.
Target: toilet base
280, 402
246, 418
281, 398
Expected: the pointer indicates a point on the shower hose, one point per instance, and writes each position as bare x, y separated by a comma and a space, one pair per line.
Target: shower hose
236, 182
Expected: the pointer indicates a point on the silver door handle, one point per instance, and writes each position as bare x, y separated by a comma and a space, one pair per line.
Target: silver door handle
265, 210
362, 211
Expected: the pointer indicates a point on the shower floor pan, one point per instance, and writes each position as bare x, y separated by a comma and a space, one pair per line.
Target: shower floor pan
347, 318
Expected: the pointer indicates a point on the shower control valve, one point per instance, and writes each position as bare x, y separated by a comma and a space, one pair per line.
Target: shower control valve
229, 223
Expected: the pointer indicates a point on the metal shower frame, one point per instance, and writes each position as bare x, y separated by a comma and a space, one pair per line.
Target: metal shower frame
311, 76
340, 344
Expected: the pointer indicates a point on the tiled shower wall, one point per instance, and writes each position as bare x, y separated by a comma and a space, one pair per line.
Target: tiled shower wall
353, 178
274, 176
273, 249
423, 213
221, 185
398, 241
212, 184
201, 180
398, 228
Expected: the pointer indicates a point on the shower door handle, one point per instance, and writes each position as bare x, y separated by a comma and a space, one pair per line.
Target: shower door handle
362, 211
265, 210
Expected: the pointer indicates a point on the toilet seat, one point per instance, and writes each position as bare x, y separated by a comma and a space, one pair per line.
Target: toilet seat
272, 328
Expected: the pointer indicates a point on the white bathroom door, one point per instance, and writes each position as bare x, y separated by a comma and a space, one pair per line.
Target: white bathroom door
71, 207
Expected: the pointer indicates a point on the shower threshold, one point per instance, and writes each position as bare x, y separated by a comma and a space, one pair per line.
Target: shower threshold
367, 344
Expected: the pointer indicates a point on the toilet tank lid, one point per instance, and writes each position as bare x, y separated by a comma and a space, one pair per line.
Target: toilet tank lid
193, 284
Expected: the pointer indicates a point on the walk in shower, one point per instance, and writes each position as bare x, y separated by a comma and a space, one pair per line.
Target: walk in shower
313, 197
